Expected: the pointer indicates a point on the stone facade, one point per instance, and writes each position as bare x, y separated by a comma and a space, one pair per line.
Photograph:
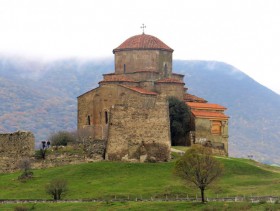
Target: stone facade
129, 109
14, 147
210, 126
139, 132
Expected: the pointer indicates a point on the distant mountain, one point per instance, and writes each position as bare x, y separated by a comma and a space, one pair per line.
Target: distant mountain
41, 97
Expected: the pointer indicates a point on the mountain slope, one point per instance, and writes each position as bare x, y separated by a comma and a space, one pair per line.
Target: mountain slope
41, 97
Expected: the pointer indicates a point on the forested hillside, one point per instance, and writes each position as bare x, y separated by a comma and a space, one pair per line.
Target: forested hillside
41, 97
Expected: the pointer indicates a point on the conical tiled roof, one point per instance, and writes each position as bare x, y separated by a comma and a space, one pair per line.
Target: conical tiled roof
143, 41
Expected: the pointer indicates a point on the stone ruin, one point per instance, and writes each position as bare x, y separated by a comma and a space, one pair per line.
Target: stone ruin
20, 145
14, 147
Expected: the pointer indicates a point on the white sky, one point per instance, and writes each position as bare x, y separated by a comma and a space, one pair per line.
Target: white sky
243, 33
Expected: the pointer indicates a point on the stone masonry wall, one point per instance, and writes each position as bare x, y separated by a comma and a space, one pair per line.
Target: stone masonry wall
14, 147
139, 132
203, 134
143, 60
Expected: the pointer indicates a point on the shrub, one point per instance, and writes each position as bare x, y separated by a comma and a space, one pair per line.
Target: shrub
56, 188
25, 167
62, 138
20, 208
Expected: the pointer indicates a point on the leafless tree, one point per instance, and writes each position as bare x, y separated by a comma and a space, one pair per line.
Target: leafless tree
56, 188
25, 166
199, 167
83, 136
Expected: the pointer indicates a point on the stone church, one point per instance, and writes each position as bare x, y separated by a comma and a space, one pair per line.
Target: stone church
129, 109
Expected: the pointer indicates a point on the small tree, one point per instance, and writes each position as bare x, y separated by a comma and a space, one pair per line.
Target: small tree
83, 136
199, 167
25, 166
180, 119
61, 138
56, 188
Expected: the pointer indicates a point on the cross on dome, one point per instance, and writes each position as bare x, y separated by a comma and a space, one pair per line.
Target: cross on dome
143, 28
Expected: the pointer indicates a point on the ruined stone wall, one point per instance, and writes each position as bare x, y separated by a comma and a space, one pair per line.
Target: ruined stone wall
139, 131
203, 134
89, 151
14, 147
143, 60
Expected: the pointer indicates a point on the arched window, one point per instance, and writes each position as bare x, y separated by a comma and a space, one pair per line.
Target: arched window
165, 70
88, 120
106, 117
124, 68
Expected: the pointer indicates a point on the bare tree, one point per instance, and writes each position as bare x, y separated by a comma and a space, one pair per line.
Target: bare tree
199, 167
25, 166
56, 188
83, 136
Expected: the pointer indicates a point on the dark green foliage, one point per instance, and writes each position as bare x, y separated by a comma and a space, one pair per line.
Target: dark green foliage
56, 188
62, 138
198, 167
180, 120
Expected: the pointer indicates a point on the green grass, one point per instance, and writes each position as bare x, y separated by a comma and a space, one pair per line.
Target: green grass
146, 180
183, 148
144, 206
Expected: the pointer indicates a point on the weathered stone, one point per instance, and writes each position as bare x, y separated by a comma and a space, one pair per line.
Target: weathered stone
15, 147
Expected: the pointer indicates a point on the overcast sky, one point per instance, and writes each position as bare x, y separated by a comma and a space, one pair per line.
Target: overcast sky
243, 33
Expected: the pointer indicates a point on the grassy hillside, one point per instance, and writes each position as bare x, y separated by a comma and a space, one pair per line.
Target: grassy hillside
107, 180
110, 179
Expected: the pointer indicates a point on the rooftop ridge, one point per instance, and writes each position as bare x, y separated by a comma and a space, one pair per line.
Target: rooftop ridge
140, 90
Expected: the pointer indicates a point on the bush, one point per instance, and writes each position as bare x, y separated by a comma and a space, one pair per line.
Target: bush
20, 208
62, 138
25, 167
56, 188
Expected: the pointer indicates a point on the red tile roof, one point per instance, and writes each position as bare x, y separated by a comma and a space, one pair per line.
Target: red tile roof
139, 90
178, 74
170, 80
112, 78
192, 98
205, 106
209, 114
143, 41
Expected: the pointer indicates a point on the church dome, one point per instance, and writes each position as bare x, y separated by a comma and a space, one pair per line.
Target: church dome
143, 42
